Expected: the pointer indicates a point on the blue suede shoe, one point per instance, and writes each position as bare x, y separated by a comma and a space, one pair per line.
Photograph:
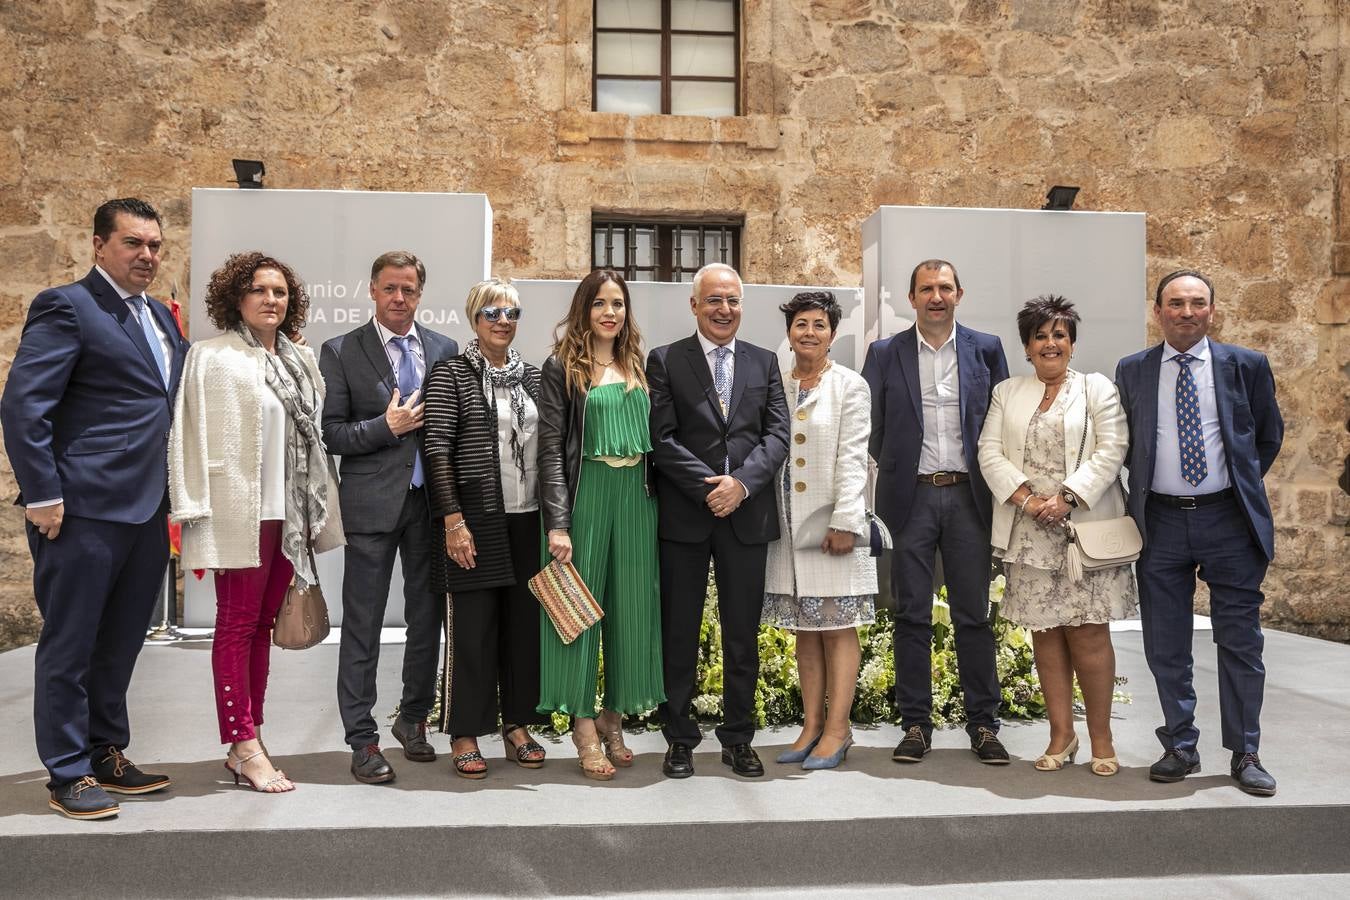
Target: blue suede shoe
796, 756
831, 761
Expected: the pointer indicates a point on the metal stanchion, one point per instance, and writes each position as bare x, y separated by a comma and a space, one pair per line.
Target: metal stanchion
167, 629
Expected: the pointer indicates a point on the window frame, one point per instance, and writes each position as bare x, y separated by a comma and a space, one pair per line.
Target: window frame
665, 243
666, 78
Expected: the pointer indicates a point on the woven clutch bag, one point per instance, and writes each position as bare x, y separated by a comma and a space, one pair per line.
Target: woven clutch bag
566, 600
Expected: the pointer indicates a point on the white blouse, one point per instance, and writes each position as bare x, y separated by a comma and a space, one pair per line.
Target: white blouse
518, 495
273, 456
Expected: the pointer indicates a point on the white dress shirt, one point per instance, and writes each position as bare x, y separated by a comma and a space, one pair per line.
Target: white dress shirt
518, 494
940, 386
1167, 463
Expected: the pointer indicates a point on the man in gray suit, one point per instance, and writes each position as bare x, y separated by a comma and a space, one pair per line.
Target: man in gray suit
372, 418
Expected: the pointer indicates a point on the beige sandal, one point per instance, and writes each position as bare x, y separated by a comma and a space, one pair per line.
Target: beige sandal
1053, 762
1104, 766
612, 738
594, 763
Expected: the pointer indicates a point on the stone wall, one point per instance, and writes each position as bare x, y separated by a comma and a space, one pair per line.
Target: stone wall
1219, 118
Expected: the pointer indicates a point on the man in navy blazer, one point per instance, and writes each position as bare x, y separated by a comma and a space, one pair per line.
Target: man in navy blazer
372, 418
719, 428
1204, 429
931, 386
86, 416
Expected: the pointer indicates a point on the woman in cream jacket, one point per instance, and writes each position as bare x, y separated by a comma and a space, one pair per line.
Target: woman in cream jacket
820, 579
1030, 457
252, 484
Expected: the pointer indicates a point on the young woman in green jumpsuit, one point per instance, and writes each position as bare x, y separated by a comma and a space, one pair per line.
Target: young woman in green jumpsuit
600, 514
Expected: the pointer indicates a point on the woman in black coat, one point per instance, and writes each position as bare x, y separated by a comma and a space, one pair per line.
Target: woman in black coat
481, 422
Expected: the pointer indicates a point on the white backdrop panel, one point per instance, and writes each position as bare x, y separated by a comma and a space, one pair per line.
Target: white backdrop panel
330, 238
1006, 257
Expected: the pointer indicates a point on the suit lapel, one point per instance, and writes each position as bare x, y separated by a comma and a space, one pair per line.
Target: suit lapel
907, 349
1148, 407
699, 364
369, 339
1225, 388
966, 366
738, 378
115, 306
169, 324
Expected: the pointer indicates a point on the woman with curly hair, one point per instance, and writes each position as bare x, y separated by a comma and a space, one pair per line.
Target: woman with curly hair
600, 514
252, 484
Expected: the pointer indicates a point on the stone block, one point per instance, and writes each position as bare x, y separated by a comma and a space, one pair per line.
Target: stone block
1025, 53
1012, 141
831, 99
1268, 138
1219, 12
1299, 547
894, 189
511, 241
905, 94
842, 10
869, 47
949, 53
1047, 16
983, 12
1152, 91
1285, 86
1267, 301
921, 10
1183, 142
48, 17
924, 150
1312, 506
1125, 16
1307, 247
1333, 303
1244, 246
33, 253
1219, 92
200, 24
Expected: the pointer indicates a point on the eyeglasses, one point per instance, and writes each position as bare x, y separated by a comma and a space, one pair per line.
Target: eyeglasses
493, 313
729, 302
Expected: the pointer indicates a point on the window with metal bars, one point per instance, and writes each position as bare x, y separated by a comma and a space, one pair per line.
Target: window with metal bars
643, 249
679, 57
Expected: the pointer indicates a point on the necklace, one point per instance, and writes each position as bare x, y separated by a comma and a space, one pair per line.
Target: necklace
605, 363
813, 376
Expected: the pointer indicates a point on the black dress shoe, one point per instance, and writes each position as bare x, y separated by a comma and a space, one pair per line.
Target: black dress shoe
679, 761
413, 737
118, 775
369, 765
912, 747
1251, 776
1174, 765
83, 799
743, 760
985, 744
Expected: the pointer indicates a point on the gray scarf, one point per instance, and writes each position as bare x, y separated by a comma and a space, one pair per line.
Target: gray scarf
308, 465
512, 377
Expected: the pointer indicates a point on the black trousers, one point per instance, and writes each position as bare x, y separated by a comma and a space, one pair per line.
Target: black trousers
944, 518
738, 569
367, 568
492, 645
96, 586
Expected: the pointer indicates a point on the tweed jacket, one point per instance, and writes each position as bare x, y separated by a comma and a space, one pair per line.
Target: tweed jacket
1003, 447
215, 455
827, 462
464, 475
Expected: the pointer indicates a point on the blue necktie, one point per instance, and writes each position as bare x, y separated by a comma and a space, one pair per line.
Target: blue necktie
151, 338
1190, 437
722, 384
407, 383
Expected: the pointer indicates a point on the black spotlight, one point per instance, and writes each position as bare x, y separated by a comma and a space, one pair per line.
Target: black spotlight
1060, 197
249, 172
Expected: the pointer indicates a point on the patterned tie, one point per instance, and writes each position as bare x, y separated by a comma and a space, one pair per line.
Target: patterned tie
151, 338
407, 383
722, 384
1190, 437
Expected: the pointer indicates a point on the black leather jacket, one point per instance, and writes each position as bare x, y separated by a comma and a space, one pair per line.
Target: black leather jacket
562, 422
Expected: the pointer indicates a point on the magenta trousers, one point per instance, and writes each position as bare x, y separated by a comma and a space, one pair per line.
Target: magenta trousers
247, 601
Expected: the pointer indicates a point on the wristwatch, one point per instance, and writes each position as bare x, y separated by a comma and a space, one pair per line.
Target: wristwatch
1069, 498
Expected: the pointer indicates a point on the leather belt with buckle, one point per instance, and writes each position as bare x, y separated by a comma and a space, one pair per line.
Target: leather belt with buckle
1192, 502
944, 479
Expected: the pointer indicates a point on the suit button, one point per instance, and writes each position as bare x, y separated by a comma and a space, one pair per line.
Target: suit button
801, 415
799, 438
800, 461
799, 486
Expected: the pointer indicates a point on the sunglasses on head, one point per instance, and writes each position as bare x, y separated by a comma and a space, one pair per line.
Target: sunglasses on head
493, 313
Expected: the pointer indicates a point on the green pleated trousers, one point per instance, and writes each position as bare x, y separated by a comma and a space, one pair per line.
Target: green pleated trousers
614, 550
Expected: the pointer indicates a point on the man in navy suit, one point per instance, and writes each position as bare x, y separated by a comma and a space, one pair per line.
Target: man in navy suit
1204, 430
931, 386
719, 428
372, 418
86, 416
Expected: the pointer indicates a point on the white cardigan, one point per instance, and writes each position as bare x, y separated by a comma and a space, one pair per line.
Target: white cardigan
1003, 447
215, 455
827, 455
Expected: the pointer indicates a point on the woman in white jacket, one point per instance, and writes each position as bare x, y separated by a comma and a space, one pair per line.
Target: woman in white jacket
821, 580
1030, 456
252, 484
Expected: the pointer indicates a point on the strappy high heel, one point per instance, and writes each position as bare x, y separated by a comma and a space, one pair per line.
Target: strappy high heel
270, 786
528, 755
612, 739
1105, 766
1053, 762
594, 763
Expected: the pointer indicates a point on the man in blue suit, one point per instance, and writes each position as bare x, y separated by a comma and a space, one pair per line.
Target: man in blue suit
86, 417
1204, 430
931, 386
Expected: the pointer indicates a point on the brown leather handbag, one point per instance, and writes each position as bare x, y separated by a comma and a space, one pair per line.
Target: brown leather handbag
302, 620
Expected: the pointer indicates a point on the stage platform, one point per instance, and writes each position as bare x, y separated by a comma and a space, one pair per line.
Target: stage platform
870, 823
